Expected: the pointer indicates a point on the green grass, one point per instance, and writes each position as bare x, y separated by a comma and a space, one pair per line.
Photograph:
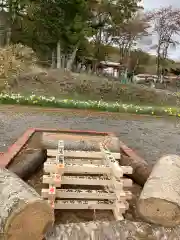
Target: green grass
88, 104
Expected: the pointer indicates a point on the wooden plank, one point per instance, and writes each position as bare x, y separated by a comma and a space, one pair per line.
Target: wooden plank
117, 185
51, 193
80, 193
78, 180
94, 205
89, 194
75, 168
110, 160
71, 204
117, 215
60, 152
80, 154
79, 161
118, 210
125, 169
70, 180
51, 203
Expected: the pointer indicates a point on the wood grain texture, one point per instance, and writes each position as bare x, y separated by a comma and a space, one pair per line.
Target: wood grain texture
23, 214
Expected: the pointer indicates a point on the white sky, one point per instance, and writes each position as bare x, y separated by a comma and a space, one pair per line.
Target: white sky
151, 4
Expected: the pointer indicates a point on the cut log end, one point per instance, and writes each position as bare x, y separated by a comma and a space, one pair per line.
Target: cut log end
159, 201
31, 222
160, 211
24, 215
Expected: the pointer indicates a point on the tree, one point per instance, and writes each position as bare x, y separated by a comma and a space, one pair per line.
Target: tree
108, 15
138, 60
63, 21
46, 24
165, 25
13, 10
127, 34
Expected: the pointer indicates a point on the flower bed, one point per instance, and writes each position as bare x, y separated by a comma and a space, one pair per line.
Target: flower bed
94, 105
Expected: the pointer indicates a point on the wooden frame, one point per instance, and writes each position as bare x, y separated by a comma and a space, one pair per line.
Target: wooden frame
110, 177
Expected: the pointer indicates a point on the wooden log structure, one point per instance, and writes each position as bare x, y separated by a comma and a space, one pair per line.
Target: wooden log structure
105, 175
159, 201
115, 230
141, 169
30, 164
23, 213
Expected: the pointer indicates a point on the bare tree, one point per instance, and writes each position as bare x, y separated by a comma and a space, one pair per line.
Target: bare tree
166, 25
127, 34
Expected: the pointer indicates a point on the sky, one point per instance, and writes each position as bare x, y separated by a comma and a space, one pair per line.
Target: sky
151, 4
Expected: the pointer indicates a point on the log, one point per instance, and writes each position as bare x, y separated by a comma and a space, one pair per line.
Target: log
117, 230
159, 201
30, 164
141, 170
81, 144
23, 213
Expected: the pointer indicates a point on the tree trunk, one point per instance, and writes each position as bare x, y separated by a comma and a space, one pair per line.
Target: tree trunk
141, 170
71, 60
4, 25
59, 55
115, 230
158, 60
81, 144
53, 62
159, 201
23, 214
30, 164
63, 61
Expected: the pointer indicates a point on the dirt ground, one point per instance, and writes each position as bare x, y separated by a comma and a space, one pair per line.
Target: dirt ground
151, 137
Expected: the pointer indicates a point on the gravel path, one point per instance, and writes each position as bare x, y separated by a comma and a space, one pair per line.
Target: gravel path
150, 137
